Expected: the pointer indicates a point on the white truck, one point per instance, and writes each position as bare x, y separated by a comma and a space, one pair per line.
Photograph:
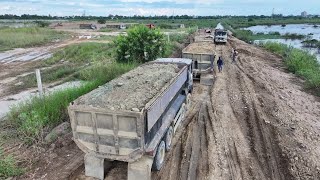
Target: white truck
139, 136
220, 36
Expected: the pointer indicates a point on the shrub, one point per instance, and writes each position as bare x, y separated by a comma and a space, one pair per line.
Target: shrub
102, 21
140, 45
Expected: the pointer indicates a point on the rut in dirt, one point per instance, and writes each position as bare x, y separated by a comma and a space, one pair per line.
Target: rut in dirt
227, 137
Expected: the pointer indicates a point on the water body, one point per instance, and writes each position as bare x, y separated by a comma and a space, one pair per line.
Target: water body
305, 29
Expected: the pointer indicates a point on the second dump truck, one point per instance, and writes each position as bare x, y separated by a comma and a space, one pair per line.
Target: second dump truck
202, 54
133, 118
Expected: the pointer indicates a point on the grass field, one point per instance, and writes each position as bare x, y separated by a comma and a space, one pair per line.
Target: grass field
27, 37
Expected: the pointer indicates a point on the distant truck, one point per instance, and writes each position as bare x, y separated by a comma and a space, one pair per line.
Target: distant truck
138, 136
220, 36
202, 55
87, 26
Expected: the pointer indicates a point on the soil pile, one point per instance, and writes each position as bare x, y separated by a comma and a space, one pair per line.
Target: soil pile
200, 47
132, 90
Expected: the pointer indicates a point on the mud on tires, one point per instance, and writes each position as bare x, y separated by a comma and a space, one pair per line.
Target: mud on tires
168, 138
158, 160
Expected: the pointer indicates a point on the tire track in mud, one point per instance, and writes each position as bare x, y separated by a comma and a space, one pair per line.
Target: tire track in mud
228, 137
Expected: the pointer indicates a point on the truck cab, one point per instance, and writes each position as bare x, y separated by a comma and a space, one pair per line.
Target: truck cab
220, 36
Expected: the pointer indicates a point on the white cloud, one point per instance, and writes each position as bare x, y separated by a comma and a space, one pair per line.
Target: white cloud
178, 1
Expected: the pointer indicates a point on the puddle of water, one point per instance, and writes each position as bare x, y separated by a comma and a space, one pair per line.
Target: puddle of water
7, 102
305, 29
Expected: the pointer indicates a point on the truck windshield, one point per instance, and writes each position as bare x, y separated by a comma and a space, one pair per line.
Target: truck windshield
221, 33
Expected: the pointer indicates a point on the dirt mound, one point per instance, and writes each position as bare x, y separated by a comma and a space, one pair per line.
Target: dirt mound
200, 47
132, 90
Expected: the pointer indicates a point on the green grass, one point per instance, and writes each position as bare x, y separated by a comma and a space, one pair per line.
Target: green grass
8, 166
33, 116
299, 62
105, 30
106, 38
49, 75
27, 37
83, 53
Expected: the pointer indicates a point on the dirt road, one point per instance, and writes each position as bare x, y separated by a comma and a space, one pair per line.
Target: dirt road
255, 122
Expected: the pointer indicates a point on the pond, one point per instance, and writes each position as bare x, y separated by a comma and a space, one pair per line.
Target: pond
306, 29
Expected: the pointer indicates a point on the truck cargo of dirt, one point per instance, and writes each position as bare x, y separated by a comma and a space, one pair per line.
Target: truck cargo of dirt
131, 91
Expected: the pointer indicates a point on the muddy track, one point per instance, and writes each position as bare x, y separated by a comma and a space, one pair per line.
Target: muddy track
228, 138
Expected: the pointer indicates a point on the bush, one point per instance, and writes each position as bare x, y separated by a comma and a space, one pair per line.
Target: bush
102, 21
140, 45
42, 23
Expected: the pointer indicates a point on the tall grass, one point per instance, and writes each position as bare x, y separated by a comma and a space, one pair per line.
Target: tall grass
83, 53
33, 116
27, 37
299, 62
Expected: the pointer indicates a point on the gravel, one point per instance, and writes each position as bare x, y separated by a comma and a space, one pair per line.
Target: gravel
133, 90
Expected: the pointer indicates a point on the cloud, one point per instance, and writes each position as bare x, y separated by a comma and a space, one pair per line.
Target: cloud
156, 7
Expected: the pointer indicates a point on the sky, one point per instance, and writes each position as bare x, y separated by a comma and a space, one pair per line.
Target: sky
158, 7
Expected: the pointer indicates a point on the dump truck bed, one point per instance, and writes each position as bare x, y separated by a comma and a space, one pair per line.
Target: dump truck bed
200, 48
112, 120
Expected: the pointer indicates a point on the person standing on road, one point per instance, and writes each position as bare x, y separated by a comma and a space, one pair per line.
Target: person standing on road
234, 55
220, 64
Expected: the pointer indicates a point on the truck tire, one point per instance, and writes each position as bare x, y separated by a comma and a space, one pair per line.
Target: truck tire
158, 160
168, 138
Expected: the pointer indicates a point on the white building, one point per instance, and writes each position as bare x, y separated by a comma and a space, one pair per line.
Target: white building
304, 14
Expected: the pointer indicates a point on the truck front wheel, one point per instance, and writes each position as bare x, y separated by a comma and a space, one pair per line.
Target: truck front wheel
159, 158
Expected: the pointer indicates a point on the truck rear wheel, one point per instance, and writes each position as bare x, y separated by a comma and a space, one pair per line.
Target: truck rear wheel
188, 102
159, 158
168, 138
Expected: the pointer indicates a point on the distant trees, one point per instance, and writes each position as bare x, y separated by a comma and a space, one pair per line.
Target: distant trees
102, 21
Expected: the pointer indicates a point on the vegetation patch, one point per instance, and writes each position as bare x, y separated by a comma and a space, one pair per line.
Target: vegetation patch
28, 37
83, 53
8, 166
299, 62
34, 116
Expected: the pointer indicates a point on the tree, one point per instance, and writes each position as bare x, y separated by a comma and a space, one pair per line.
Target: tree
140, 45
102, 21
